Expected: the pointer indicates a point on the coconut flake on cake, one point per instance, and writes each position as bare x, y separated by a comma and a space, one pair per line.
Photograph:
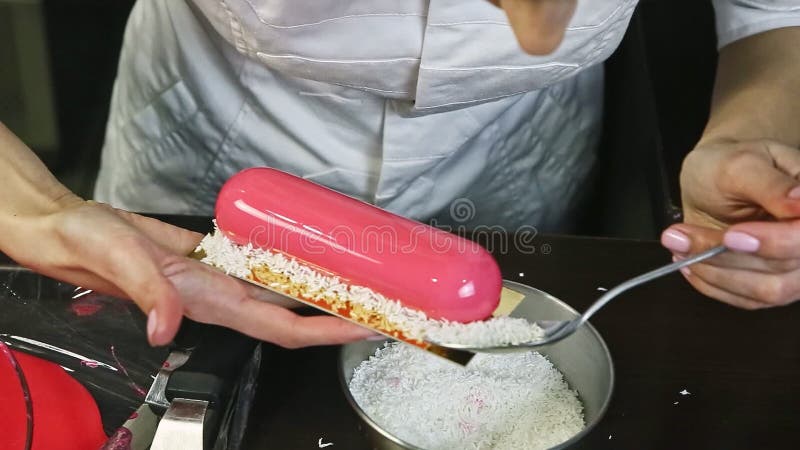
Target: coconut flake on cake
242, 260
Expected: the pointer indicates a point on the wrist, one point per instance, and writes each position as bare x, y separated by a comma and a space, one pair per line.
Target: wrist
756, 90
26, 225
36, 205
727, 133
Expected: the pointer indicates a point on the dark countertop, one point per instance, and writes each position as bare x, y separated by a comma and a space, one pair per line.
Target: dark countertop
742, 368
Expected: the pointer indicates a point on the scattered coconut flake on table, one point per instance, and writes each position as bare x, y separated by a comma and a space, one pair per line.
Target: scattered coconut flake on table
242, 260
684, 392
500, 401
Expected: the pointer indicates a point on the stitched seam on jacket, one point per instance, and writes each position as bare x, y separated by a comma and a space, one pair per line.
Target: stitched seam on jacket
469, 22
727, 36
336, 61
419, 158
506, 24
466, 102
330, 95
331, 19
366, 88
601, 23
216, 156
533, 66
126, 122
236, 28
139, 156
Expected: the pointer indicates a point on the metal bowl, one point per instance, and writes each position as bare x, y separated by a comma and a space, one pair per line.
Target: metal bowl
583, 358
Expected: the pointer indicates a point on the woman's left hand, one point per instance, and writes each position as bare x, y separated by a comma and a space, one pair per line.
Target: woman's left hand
745, 195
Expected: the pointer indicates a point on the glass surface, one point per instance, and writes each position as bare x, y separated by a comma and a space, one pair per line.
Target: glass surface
98, 339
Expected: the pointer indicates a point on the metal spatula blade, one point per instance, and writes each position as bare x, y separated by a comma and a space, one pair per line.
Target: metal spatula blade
453, 354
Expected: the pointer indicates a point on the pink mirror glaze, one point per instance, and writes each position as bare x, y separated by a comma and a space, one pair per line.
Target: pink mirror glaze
444, 275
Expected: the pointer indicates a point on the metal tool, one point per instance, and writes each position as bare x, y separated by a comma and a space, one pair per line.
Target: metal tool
555, 331
203, 390
455, 355
182, 425
157, 395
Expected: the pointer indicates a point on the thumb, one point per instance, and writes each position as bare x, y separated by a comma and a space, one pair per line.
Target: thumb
684, 238
767, 178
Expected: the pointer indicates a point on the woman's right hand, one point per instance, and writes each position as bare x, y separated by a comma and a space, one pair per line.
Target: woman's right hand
47, 228
539, 25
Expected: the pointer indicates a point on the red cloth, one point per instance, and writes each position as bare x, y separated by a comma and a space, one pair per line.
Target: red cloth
65, 416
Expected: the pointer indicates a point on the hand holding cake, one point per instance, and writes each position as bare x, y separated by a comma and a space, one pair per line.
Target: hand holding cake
51, 230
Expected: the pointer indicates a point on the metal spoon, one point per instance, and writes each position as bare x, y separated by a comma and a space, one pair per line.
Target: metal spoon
555, 331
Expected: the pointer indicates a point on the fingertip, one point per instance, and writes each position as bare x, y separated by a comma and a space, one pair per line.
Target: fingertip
782, 208
367, 334
348, 331
676, 240
699, 238
539, 26
741, 242
153, 327
339, 331
164, 320
540, 44
376, 338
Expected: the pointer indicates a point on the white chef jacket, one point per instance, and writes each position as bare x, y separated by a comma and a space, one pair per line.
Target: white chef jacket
424, 107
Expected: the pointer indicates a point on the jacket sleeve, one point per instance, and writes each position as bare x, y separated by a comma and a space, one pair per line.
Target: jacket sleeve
738, 19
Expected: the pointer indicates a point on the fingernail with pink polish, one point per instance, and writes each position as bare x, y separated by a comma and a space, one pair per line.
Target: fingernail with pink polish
741, 242
675, 241
377, 337
152, 325
794, 194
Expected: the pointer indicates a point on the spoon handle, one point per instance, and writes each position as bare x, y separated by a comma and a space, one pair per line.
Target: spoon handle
644, 278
